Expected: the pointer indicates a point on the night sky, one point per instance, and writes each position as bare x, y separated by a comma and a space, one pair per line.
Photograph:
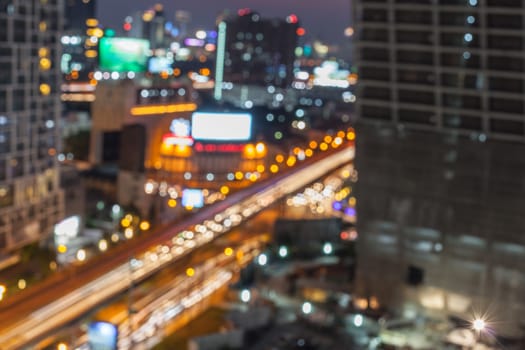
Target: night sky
324, 19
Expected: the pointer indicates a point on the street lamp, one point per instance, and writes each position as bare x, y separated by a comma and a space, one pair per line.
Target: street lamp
479, 325
246, 295
262, 259
306, 308
327, 248
283, 251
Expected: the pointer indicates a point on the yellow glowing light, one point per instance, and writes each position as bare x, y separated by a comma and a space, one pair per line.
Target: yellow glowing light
279, 158
308, 152
239, 175
189, 207
349, 31
43, 52
42, 26
61, 249
228, 251
163, 109
45, 89
249, 151
97, 32
253, 177
239, 254
313, 144
225, 190
128, 233
182, 151
91, 53
22, 284
260, 168
204, 71
172, 203
323, 146
45, 63
166, 148
350, 135
374, 303
274, 168
125, 222
352, 79
148, 16
328, 139
361, 303
62, 346
91, 22
291, 161
341, 134
190, 272
352, 201
102, 245
144, 225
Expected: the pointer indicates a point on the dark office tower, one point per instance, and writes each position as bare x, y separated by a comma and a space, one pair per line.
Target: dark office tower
31, 201
448, 65
77, 12
438, 220
257, 51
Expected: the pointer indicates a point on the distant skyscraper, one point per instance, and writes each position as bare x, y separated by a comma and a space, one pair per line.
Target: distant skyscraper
31, 201
256, 51
77, 12
448, 65
148, 25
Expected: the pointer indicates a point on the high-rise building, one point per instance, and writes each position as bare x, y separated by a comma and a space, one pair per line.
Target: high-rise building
438, 224
31, 200
79, 43
77, 12
255, 51
148, 25
448, 65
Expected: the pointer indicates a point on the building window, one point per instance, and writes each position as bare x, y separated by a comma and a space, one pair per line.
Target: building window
506, 126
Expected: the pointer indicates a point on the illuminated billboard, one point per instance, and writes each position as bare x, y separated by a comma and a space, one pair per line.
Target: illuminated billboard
329, 74
123, 54
159, 64
224, 127
180, 133
192, 198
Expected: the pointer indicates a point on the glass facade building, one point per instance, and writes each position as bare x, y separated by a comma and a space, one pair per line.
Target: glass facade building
31, 201
443, 64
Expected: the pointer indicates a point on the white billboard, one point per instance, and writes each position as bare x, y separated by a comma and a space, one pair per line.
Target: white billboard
221, 126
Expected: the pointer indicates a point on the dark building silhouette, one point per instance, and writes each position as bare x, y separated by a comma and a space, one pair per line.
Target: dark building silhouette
77, 12
259, 51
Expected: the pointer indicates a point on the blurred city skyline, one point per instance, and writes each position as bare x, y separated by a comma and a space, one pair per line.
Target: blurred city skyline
325, 21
